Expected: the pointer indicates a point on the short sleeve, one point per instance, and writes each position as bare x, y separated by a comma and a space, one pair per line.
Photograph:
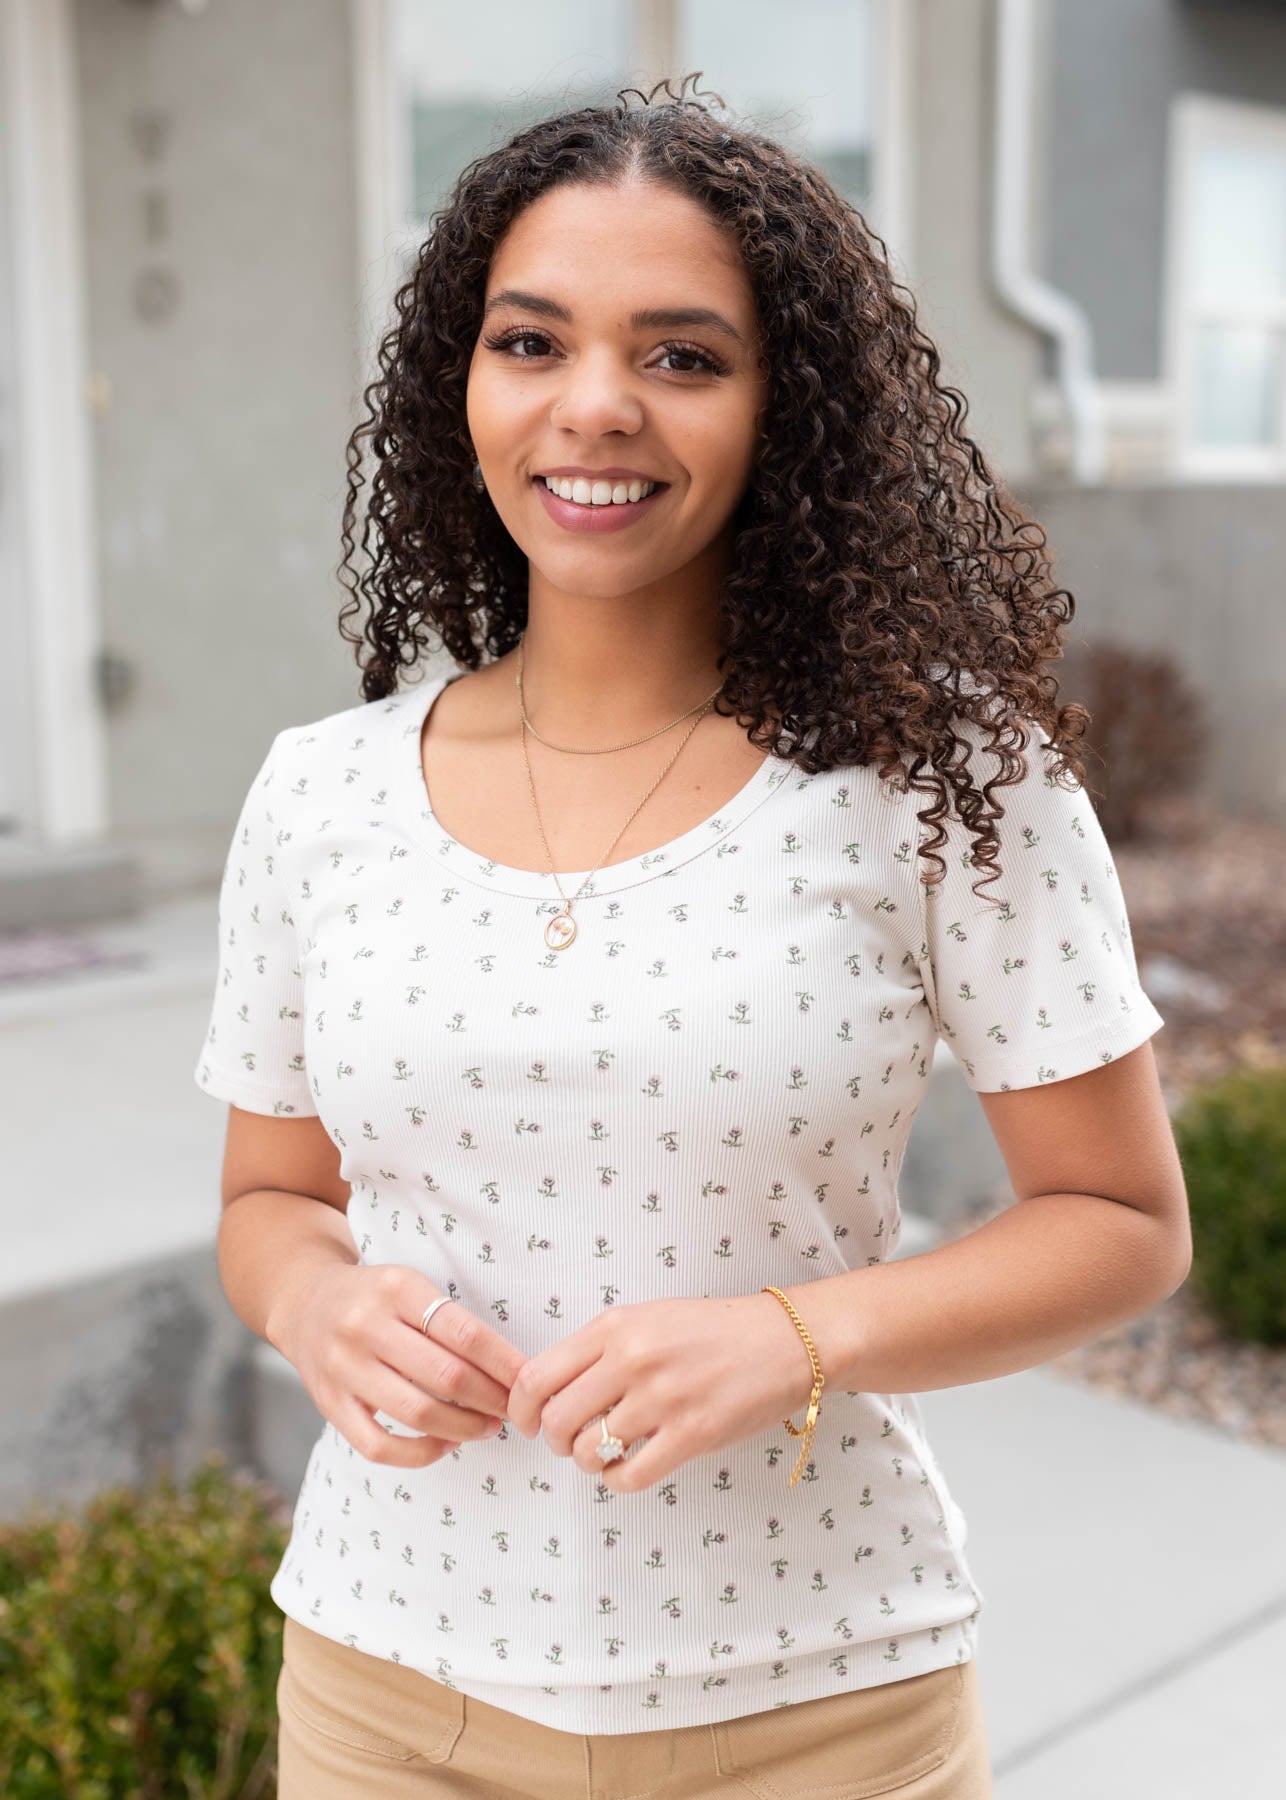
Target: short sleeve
1044, 986
254, 1047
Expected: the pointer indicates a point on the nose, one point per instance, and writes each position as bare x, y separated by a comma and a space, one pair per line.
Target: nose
596, 395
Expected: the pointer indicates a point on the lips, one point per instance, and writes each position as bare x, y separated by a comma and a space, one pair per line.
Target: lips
573, 516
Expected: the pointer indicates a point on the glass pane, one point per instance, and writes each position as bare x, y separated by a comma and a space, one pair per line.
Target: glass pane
1239, 236
1238, 383
462, 78
802, 73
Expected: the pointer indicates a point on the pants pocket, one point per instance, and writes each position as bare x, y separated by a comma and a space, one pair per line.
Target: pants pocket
367, 1702
292, 1696
847, 1746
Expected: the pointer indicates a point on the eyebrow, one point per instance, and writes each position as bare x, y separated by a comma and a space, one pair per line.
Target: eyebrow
664, 318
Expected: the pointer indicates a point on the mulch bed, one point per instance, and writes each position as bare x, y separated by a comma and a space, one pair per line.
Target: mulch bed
1204, 896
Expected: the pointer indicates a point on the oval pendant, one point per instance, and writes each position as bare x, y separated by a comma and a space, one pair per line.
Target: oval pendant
560, 930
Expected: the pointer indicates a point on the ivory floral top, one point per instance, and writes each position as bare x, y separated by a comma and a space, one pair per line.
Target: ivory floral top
709, 1090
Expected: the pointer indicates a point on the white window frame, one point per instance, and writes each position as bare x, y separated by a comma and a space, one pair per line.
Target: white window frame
1195, 120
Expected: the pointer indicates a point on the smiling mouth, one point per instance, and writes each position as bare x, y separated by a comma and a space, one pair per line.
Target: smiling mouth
579, 490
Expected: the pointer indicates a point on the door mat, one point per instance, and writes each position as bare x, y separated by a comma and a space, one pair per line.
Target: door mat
41, 955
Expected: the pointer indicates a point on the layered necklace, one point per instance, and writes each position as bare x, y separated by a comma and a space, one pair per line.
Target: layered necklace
561, 928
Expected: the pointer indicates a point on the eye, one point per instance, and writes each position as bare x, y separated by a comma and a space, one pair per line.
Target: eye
517, 336
504, 342
711, 364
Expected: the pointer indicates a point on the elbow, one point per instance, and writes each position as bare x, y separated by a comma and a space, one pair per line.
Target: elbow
1178, 1262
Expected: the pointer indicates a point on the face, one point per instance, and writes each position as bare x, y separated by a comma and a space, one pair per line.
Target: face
568, 374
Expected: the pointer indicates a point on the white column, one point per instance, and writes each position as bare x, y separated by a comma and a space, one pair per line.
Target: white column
56, 607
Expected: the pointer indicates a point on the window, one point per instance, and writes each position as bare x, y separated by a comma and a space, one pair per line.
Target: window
803, 74
1226, 332
441, 84
463, 78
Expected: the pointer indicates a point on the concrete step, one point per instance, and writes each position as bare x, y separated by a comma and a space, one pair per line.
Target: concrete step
105, 1378
40, 886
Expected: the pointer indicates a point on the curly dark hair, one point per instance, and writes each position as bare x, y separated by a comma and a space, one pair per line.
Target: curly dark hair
885, 599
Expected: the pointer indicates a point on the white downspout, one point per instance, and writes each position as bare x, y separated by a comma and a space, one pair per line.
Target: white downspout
1026, 294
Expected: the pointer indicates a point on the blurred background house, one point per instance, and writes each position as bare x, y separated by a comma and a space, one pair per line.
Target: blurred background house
205, 206
205, 209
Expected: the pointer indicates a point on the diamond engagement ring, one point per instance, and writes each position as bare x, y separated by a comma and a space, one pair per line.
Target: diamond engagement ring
609, 1448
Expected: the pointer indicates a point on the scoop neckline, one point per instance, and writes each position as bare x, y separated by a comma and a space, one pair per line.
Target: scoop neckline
500, 877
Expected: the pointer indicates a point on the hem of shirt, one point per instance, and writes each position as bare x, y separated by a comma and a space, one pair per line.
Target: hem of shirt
251, 1096
1076, 1055
673, 1703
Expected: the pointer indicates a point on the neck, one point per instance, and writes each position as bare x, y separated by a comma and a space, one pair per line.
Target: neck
597, 669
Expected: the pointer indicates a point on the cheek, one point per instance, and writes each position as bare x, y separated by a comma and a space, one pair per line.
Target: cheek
721, 456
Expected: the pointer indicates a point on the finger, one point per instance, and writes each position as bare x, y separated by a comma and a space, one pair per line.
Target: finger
575, 1406
369, 1438
553, 1374
433, 1365
411, 1406
459, 1330
647, 1459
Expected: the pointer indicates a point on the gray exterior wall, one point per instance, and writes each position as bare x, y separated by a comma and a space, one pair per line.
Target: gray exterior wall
1195, 571
222, 271
1116, 66
989, 354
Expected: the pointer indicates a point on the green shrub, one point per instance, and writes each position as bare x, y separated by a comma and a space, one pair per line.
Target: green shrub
1231, 1138
139, 1645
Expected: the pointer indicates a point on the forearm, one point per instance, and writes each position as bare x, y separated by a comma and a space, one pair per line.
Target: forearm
1042, 1277
271, 1245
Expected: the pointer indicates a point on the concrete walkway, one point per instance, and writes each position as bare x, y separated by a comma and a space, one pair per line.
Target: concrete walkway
1133, 1568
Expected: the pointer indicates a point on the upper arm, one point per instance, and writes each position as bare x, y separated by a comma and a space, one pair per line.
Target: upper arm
1045, 986
253, 1054
297, 1155
1105, 1132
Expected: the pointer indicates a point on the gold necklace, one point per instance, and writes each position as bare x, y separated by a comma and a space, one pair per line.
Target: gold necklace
610, 748
561, 928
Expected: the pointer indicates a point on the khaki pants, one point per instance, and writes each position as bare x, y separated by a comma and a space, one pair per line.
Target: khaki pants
353, 1725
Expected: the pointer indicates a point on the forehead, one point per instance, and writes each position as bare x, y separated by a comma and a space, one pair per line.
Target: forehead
582, 244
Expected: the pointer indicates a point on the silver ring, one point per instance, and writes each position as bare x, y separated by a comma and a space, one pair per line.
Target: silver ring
609, 1448
429, 1311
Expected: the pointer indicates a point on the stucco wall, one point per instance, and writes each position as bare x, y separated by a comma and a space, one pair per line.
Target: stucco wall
988, 353
220, 198
1197, 571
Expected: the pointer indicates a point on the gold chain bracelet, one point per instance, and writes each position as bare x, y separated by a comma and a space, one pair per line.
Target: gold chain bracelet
806, 1430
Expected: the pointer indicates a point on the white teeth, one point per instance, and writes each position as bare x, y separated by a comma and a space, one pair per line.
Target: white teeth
597, 493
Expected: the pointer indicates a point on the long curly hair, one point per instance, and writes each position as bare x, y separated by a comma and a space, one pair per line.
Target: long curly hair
885, 600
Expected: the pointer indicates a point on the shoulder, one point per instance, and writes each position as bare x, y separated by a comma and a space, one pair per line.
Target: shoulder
305, 755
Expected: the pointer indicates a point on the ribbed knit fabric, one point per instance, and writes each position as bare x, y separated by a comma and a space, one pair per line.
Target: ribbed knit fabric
709, 1090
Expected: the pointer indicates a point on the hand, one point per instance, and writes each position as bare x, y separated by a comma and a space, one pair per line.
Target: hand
356, 1341
690, 1376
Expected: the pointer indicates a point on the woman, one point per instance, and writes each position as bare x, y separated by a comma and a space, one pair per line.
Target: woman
597, 984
